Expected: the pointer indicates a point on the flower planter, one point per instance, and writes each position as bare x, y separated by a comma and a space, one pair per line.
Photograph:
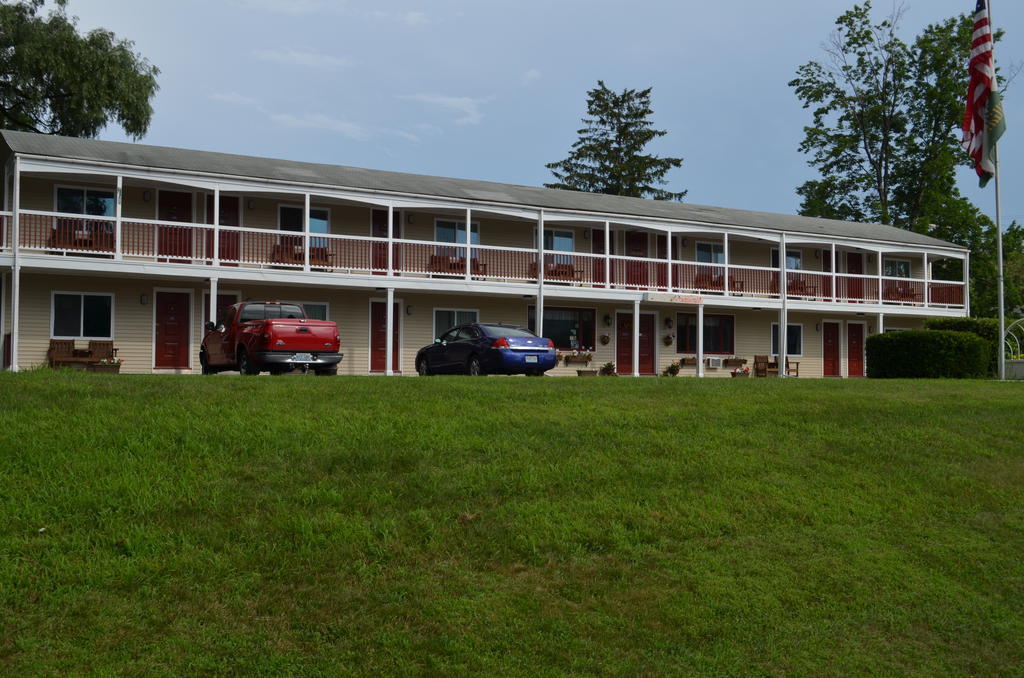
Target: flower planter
114, 369
586, 373
740, 374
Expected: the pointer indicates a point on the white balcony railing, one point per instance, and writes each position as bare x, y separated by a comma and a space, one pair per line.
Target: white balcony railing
187, 243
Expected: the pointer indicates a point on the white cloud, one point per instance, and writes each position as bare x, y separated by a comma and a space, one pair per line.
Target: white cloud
407, 18
325, 122
308, 59
292, 6
531, 75
468, 107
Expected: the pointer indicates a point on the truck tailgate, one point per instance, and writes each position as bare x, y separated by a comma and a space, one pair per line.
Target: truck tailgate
302, 335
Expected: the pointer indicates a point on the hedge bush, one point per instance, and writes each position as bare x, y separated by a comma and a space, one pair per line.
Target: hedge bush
928, 354
986, 328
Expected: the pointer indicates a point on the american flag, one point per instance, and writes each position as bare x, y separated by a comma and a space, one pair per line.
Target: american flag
983, 117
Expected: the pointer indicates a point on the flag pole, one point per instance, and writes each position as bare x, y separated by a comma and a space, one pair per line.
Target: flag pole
1000, 348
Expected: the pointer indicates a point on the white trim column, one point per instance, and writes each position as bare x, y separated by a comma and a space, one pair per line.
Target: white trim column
16, 264
305, 233
967, 283
469, 242
725, 254
391, 240
540, 274
833, 266
212, 311
881, 323
700, 339
389, 351
669, 238
608, 254
784, 309
881, 295
118, 198
636, 337
216, 225
927, 280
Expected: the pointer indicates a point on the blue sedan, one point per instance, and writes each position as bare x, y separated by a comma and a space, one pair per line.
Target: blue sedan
485, 348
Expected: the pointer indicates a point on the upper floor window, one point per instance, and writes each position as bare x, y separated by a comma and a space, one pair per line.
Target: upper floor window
794, 259
85, 201
559, 241
455, 231
896, 268
289, 218
710, 253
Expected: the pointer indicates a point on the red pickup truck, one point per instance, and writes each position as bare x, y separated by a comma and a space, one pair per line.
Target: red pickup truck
272, 336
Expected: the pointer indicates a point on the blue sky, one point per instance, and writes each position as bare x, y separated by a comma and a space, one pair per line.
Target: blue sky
494, 90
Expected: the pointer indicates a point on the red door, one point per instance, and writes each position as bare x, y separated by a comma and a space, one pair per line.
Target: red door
855, 266
379, 253
229, 240
855, 350
378, 332
174, 241
661, 253
624, 343
636, 271
172, 327
597, 247
830, 340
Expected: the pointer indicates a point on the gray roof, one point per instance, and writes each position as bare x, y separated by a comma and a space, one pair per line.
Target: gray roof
142, 155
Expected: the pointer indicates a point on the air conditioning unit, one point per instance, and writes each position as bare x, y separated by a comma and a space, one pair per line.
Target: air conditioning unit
714, 362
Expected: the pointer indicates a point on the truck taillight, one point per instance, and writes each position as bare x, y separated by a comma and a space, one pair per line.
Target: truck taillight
501, 342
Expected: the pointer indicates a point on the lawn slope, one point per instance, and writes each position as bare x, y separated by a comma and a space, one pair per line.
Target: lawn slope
298, 526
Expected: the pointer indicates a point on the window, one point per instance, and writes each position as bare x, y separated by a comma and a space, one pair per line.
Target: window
315, 310
896, 268
455, 231
568, 328
290, 219
560, 241
82, 316
85, 201
445, 318
710, 253
794, 340
719, 333
794, 259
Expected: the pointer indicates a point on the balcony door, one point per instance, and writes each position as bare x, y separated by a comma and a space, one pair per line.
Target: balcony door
636, 271
174, 243
230, 215
855, 266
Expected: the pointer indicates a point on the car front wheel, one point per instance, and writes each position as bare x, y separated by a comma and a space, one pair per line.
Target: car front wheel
474, 368
423, 367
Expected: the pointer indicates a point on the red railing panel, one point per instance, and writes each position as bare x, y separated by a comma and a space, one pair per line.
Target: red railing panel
946, 293
903, 291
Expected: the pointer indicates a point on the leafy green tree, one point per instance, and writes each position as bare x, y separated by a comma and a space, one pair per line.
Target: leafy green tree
885, 135
608, 157
54, 80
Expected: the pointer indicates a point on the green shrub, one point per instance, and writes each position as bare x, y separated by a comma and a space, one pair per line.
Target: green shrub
927, 354
986, 328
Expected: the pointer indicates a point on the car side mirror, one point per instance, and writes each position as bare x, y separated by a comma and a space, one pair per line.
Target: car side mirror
437, 340
210, 325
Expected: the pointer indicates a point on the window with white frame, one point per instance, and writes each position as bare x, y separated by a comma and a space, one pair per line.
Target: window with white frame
794, 340
91, 201
446, 318
455, 232
289, 218
794, 259
896, 268
82, 315
568, 328
719, 333
710, 253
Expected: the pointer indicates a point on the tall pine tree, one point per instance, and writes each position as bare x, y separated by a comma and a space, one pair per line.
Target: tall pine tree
608, 157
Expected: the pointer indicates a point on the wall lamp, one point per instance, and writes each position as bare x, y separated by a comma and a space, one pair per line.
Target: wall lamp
145, 196
668, 323
143, 299
251, 204
607, 321
817, 327
408, 310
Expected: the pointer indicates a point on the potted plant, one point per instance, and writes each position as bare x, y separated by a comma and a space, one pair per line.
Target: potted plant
608, 370
671, 370
106, 365
579, 355
741, 372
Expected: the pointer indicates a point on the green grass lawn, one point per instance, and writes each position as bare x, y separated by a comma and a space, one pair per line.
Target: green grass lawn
524, 527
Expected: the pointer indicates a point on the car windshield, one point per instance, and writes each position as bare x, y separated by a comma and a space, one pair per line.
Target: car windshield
500, 331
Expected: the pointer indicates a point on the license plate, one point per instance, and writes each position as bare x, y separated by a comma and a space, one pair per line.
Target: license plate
531, 358
302, 358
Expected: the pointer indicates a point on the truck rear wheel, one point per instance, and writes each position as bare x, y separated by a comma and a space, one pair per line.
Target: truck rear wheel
245, 364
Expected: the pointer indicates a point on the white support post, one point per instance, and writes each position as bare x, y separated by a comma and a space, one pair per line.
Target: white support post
725, 254
212, 312
833, 266
305, 234
117, 216
215, 257
927, 280
636, 337
881, 323
469, 242
700, 339
16, 264
389, 353
668, 242
784, 310
391, 241
608, 254
967, 283
540, 274
881, 296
